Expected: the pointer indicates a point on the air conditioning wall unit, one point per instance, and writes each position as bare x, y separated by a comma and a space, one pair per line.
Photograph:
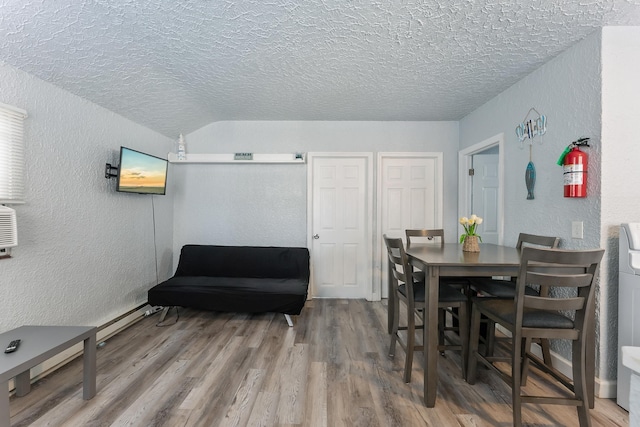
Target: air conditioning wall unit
8, 228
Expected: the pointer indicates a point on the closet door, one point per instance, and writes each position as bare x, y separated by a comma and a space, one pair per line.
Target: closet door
409, 196
340, 195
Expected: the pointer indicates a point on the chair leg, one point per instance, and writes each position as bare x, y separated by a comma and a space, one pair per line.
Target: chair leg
546, 352
395, 320
524, 370
392, 307
473, 345
516, 375
463, 331
491, 337
392, 343
411, 343
442, 318
579, 381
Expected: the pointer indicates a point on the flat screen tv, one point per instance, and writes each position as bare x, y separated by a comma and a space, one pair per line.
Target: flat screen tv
141, 173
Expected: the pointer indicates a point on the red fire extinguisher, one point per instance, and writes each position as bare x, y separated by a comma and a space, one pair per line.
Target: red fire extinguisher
575, 164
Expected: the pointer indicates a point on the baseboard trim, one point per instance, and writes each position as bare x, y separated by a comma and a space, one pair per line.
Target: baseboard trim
606, 389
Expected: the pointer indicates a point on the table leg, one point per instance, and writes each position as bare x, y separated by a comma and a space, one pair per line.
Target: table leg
5, 416
89, 368
430, 336
23, 383
391, 302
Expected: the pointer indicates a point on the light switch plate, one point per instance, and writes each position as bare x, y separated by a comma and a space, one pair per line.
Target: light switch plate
577, 230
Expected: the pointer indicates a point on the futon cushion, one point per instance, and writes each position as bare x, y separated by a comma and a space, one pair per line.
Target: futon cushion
243, 261
504, 309
237, 294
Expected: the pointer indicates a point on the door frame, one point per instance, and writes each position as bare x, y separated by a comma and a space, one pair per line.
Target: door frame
380, 251
368, 157
465, 189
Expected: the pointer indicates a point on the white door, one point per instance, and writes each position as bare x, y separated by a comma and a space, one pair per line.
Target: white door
341, 218
467, 194
409, 196
484, 198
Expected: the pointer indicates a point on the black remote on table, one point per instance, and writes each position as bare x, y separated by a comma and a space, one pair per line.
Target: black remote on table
13, 346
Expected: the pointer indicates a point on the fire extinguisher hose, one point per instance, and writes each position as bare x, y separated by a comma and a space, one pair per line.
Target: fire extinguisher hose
581, 142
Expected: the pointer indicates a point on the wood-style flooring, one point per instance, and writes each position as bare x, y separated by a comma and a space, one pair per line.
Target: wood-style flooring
331, 369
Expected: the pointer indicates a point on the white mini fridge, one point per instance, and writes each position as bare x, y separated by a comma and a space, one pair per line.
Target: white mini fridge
628, 303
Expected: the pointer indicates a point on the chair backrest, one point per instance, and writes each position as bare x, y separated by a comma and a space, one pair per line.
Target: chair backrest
400, 272
581, 277
525, 239
434, 234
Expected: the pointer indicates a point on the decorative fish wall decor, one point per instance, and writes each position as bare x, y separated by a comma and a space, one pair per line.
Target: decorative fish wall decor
529, 129
530, 180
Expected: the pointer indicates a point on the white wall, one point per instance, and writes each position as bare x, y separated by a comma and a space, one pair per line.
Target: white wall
620, 159
567, 90
86, 253
266, 204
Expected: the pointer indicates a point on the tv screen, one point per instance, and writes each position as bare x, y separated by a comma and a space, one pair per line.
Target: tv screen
141, 173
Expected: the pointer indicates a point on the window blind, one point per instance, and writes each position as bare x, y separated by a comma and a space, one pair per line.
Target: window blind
11, 154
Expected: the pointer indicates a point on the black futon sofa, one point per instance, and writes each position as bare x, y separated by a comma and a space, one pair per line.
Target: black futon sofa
248, 279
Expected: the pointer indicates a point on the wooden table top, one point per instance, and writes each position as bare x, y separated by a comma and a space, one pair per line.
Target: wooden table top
451, 254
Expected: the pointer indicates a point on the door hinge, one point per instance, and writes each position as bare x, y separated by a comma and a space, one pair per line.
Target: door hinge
471, 172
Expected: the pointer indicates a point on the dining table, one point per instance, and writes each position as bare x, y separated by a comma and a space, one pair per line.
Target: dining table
449, 260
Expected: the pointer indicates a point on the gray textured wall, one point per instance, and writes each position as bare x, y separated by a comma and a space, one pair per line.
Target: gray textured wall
567, 90
86, 253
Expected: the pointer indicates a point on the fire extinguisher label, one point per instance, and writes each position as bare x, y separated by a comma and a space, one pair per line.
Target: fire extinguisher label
573, 174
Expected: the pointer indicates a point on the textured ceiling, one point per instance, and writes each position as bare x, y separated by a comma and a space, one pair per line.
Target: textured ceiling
175, 66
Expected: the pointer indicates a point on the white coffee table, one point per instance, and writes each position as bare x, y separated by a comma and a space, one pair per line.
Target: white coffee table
39, 343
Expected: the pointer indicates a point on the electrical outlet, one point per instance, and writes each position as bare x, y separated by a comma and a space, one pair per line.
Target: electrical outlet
577, 230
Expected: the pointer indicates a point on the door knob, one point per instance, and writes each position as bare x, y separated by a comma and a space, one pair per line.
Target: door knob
315, 236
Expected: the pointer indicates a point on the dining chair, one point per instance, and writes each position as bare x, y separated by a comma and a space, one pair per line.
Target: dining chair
433, 236
496, 288
564, 315
406, 289
436, 236
506, 288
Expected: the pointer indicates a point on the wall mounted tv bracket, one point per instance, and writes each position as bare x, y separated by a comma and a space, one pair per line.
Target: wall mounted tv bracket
110, 171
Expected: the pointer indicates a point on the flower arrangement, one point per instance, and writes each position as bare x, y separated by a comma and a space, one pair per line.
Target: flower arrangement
470, 225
